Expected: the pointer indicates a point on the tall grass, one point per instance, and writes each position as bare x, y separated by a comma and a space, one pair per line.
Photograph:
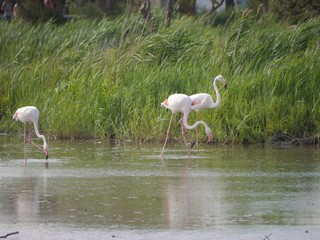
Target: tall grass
106, 79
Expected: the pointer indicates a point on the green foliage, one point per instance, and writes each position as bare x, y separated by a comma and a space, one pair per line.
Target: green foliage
166, 45
254, 4
93, 11
35, 11
224, 18
106, 79
270, 44
295, 11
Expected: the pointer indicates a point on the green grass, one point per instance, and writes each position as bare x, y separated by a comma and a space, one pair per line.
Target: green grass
106, 79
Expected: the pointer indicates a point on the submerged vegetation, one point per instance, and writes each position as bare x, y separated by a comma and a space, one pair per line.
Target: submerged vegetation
106, 79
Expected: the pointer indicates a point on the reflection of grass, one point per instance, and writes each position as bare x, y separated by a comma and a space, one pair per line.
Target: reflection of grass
87, 86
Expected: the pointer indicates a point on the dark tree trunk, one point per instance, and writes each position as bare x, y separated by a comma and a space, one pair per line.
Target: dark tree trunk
187, 6
265, 5
58, 11
215, 5
169, 12
145, 9
21, 8
229, 4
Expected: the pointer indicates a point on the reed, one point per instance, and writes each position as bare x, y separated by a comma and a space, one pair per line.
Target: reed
106, 79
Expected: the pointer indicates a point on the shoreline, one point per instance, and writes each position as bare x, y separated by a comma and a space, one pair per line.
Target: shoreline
278, 139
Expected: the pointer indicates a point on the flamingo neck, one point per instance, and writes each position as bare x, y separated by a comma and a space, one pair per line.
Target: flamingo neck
36, 129
217, 103
187, 126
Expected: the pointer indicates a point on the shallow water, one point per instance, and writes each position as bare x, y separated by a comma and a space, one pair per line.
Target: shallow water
97, 191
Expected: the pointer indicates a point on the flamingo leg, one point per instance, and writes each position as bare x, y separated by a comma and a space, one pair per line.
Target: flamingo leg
30, 140
167, 137
193, 142
25, 136
29, 137
197, 132
25, 142
183, 132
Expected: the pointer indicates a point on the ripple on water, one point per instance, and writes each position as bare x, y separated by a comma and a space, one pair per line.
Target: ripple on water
223, 232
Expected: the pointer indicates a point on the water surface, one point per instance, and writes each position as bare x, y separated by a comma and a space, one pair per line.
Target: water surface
93, 190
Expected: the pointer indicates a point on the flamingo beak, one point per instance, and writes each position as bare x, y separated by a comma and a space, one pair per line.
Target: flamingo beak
46, 153
15, 117
210, 138
165, 103
225, 84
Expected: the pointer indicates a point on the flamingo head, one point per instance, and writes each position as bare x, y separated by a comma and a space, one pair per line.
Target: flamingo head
165, 103
15, 116
221, 79
225, 85
46, 151
209, 134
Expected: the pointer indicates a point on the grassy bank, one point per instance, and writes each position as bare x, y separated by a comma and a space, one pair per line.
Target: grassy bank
106, 79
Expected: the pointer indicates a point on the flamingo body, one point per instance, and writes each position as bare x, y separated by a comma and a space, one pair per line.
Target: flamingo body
204, 100
182, 103
30, 114
201, 101
177, 103
27, 114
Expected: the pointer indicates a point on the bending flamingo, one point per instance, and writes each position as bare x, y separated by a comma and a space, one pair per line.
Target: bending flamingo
204, 100
31, 114
182, 103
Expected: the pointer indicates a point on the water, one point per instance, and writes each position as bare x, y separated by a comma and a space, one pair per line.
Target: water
98, 191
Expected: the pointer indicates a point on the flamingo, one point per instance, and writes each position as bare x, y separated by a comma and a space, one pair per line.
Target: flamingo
204, 100
31, 114
182, 103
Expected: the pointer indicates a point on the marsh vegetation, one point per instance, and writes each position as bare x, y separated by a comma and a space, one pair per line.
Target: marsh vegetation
106, 79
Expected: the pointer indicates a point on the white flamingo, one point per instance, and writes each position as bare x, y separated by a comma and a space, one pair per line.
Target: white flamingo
31, 114
204, 100
182, 103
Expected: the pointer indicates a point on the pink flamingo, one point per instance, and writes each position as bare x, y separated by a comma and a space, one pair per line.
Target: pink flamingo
204, 100
182, 103
31, 114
